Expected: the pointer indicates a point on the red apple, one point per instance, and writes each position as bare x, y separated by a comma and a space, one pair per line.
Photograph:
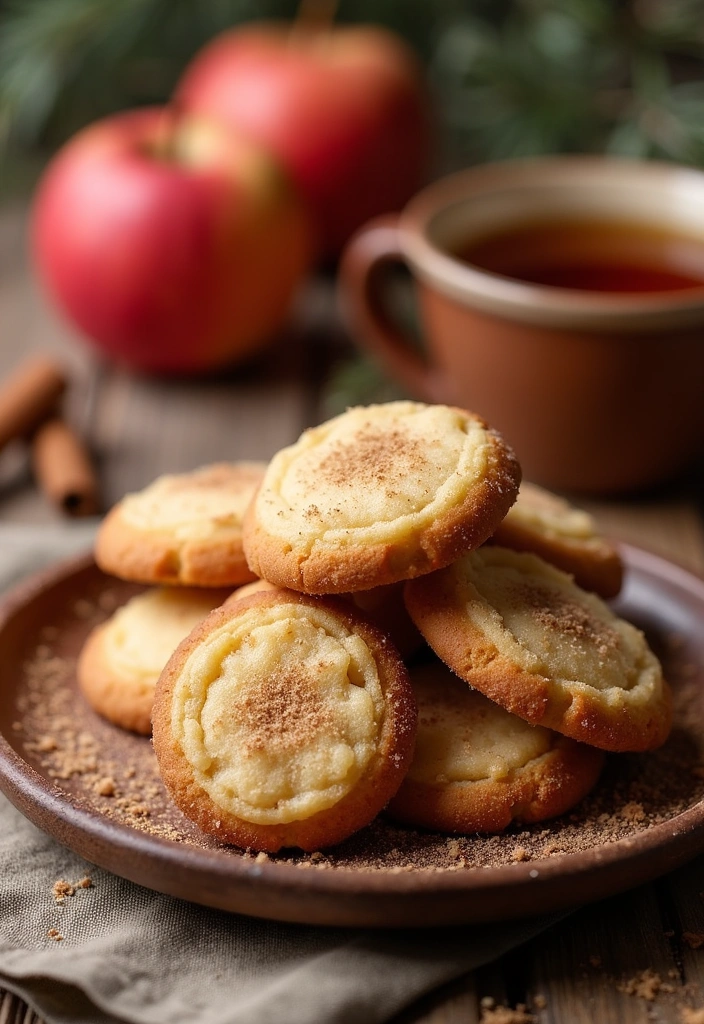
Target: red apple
174, 245
343, 109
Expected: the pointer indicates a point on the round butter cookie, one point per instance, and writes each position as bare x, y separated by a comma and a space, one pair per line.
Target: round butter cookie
477, 768
377, 495
123, 657
563, 535
283, 720
523, 633
184, 529
383, 606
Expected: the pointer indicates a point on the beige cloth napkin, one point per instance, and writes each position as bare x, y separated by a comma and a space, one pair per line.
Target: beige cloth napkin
129, 954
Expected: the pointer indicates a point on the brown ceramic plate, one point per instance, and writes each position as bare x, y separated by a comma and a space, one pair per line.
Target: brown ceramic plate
95, 788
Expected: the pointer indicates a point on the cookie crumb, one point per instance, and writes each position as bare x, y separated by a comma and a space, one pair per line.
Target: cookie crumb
645, 985
55, 934
695, 940
487, 1002
61, 889
261, 858
105, 787
550, 848
85, 883
540, 1002
519, 853
454, 849
633, 812
505, 1015
45, 744
692, 1016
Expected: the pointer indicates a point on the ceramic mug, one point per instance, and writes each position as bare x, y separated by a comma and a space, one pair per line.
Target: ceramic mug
597, 391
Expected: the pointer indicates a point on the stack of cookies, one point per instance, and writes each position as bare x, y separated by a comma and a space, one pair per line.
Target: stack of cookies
182, 535
417, 641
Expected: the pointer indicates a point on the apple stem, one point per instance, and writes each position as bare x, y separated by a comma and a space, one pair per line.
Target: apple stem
313, 17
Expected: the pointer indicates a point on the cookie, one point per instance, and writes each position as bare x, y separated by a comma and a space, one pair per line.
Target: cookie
477, 768
283, 720
122, 658
377, 495
523, 633
184, 529
383, 606
563, 535
255, 587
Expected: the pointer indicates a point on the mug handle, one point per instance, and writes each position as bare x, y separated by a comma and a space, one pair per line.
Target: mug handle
376, 245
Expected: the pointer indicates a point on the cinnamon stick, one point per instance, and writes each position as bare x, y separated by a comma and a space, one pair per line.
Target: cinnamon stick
63, 468
29, 395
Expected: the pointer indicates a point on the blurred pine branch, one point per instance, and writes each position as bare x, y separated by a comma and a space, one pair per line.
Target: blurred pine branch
574, 76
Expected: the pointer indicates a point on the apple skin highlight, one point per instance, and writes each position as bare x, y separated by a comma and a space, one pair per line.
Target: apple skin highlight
344, 110
173, 245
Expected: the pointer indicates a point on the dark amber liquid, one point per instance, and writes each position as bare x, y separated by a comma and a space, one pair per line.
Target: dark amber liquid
593, 256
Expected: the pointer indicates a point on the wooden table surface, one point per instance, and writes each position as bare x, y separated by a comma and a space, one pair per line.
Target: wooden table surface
140, 427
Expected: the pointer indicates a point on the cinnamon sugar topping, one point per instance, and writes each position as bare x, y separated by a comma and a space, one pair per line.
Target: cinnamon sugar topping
282, 710
374, 455
557, 612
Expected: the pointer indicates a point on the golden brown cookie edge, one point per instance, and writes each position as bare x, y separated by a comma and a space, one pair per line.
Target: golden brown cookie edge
546, 787
596, 566
156, 557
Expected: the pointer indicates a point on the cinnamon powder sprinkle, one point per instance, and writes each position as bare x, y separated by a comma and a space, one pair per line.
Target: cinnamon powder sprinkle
55, 934
373, 456
281, 711
557, 612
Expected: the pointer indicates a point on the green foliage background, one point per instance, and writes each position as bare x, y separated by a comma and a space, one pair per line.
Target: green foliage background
510, 77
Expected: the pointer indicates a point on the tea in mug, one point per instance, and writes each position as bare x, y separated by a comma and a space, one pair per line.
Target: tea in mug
591, 255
